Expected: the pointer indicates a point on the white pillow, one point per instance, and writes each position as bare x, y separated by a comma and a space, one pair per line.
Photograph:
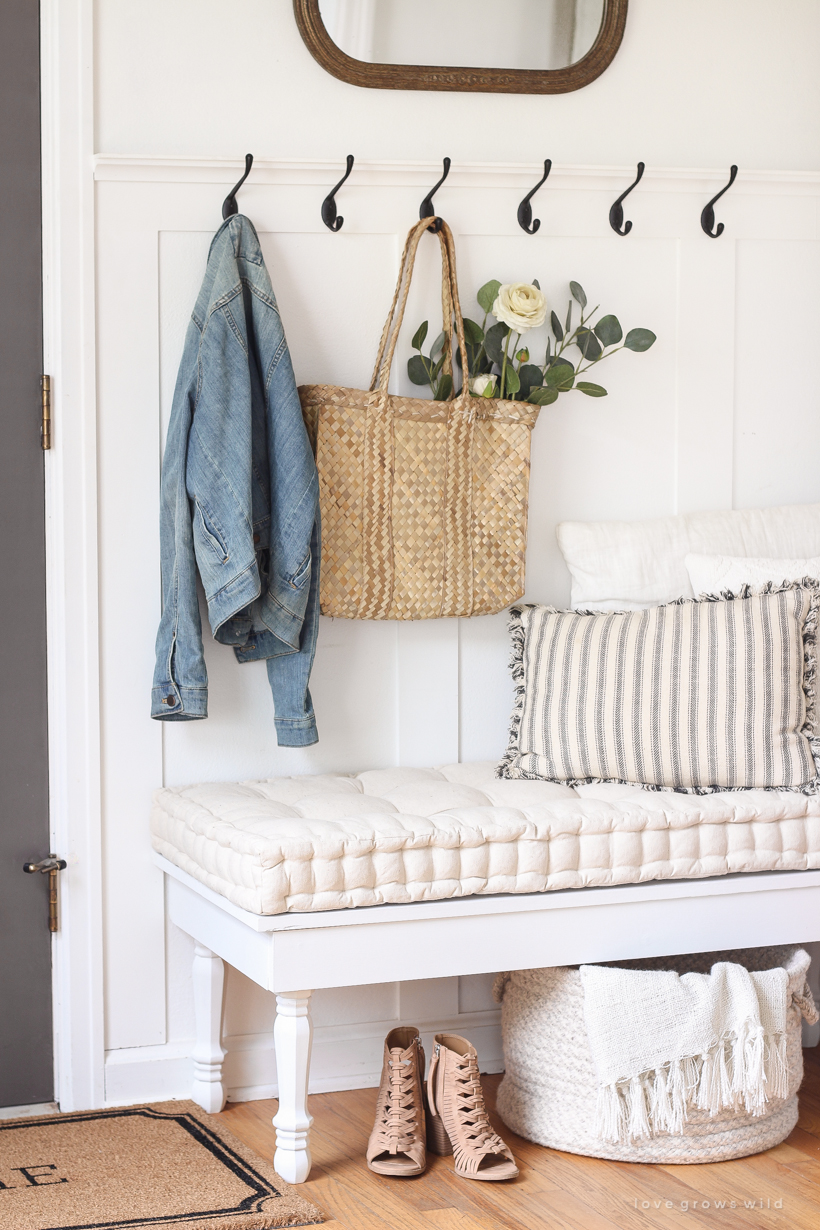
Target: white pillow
629, 565
713, 574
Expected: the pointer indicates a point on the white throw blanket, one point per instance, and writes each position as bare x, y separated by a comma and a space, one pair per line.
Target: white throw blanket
663, 1043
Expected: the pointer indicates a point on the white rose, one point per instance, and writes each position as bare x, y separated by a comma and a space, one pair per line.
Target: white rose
521, 306
482, 386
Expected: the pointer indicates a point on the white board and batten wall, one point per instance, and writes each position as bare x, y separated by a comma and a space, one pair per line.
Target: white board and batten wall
722, 412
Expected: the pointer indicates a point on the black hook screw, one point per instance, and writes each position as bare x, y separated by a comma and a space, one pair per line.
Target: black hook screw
616, 213
525, 219
230, 206
426, 209
707, 217
329, 216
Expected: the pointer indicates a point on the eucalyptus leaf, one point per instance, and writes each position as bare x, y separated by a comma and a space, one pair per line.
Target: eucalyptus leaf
511, 381
557, 331
560, 377
639, 339
531, 377
437, 346
569, 317
444, 388
549, 347
578, 294
419, 336
591, 390
418, 369
543, 396
536, 283
609, 331
588, 345
473, 333
494, 341
488, 294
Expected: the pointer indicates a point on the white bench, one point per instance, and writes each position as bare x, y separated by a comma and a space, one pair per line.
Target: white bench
294, 954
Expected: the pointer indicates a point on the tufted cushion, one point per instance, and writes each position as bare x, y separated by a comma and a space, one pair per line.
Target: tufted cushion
397, 835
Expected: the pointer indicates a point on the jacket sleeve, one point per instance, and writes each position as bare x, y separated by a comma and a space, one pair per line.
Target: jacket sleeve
289, 673
180, 691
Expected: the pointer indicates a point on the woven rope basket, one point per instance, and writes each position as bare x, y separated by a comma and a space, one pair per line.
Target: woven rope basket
423, 503
549, 1090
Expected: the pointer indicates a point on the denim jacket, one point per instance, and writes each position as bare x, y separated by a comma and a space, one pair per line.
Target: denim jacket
240, 498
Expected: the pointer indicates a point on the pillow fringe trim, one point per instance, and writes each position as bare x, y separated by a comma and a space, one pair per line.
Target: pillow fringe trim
518, 637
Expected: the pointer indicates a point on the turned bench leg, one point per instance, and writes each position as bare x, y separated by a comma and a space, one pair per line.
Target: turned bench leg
292, 1037
209, 981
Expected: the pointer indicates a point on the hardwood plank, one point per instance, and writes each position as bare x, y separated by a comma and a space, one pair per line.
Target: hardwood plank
452, 1219
805, 1142
351, 1210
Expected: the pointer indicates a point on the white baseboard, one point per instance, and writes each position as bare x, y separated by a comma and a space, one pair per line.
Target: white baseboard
344, 1057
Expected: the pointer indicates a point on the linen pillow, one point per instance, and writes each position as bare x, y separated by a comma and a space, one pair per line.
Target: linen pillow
714, 574
697, 696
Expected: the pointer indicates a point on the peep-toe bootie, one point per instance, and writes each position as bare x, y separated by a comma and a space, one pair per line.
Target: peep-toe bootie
457, 1120
397, 1143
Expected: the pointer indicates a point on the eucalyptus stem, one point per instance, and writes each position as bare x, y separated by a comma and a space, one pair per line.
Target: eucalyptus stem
504, 368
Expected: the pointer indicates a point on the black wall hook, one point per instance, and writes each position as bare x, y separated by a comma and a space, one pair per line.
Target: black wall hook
329, 217
229, 205
616, 213
426, 209
525, 219
707, 217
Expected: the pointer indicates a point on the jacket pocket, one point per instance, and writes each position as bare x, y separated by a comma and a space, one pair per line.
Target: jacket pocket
301, 575
211, 534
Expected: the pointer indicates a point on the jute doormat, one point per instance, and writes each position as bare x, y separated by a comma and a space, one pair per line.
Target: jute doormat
168, 1167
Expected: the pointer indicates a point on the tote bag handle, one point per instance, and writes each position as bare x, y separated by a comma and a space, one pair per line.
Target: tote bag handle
450, 307
379, 443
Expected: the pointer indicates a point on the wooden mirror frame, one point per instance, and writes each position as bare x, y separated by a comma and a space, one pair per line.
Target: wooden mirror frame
486, 80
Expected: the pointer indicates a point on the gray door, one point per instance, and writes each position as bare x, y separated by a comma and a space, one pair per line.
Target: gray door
26, 1074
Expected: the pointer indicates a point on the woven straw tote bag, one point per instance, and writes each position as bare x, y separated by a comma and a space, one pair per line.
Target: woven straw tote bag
423, 503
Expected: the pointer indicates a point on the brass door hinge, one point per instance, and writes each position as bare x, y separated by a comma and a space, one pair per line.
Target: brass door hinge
45, 426
49, 866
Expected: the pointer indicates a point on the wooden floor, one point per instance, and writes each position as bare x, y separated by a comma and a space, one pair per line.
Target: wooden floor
554, 1190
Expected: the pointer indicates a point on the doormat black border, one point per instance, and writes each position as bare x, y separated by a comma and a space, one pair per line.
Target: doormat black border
261, 1188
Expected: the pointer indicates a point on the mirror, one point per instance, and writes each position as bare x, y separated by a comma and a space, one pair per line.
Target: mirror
465, 33
523, 46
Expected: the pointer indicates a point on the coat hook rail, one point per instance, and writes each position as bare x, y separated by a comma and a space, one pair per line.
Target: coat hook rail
707, 217
616, 213
229, 205
525, 218
426, 209
331, 220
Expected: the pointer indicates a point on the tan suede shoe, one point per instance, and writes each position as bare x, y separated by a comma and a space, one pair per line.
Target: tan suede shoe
457, 1120
397, 1143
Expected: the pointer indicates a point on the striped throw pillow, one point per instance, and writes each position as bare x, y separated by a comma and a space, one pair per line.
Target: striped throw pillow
695, 696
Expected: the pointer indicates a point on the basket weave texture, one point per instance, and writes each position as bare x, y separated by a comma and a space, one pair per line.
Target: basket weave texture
549, 1089
423, 503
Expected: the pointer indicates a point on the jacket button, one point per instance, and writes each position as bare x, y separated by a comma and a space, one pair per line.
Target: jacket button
170, 700
256, 538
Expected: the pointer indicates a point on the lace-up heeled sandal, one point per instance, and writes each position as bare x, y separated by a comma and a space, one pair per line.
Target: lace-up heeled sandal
397, 1143
457, 1120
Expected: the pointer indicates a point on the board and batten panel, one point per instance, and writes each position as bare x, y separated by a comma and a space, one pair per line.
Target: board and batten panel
777, 424
666, 439
128, 491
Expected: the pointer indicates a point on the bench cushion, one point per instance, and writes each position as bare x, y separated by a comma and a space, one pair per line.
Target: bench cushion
398, 835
